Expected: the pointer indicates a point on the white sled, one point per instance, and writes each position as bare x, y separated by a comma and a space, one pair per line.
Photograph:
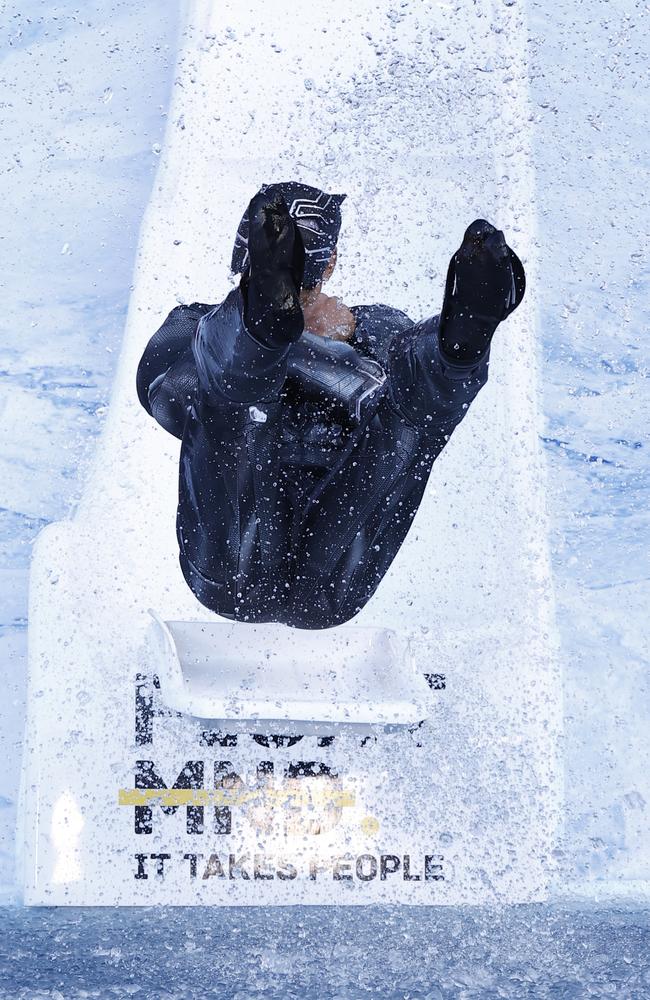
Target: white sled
287, 681
184, 760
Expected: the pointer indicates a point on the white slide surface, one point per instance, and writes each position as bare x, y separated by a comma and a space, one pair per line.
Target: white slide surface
419, 114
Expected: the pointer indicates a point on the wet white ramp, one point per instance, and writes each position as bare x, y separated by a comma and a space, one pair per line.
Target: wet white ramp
420, 117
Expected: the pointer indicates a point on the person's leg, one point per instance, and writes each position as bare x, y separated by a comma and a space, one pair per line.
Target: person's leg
436, 368
358, 520
234, 515
241, 346
485, 283
234, 512
276, 264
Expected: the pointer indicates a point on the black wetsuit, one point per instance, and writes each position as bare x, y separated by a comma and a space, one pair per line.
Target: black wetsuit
292, 504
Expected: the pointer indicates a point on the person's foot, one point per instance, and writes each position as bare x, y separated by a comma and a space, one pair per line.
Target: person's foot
271, 290
485, 283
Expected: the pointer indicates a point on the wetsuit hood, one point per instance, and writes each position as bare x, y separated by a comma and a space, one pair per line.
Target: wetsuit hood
318, 217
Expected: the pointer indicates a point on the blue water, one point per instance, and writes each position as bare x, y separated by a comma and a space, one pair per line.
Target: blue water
309, 954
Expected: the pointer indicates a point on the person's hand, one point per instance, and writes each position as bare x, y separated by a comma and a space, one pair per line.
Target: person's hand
328, 316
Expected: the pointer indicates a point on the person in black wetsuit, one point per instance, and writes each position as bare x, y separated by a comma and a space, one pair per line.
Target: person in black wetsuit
309, 429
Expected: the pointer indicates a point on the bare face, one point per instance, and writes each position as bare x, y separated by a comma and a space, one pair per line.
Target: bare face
326, 315
308, 295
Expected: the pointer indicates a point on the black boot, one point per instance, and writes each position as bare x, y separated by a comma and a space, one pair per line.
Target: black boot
485, 283
271, 287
